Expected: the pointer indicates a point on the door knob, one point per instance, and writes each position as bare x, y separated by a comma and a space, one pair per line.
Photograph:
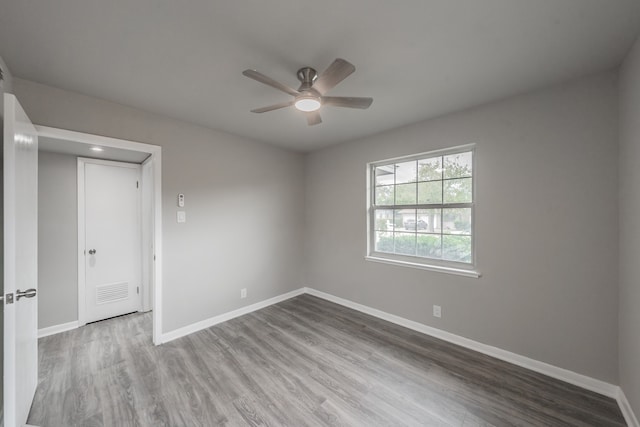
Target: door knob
92, 251
29, 293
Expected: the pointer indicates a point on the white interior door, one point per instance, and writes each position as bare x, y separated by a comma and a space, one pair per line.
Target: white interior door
112, 239
20, 262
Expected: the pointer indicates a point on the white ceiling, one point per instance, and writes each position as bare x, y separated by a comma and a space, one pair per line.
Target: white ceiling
416, 58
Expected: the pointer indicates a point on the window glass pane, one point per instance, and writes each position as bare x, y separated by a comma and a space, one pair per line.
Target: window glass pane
405, 219
384, 220
405, 243
406, 194
440, 232
406, 172
458, 165
385, 175
458, 190
456, 248
429, 245
457, 221
385, 195
430, 169
429, 220
384, 241
430, 192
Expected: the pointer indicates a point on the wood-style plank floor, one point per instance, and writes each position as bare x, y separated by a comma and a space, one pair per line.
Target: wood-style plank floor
302, 362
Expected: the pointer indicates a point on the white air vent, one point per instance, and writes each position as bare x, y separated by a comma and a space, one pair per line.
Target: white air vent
112, 292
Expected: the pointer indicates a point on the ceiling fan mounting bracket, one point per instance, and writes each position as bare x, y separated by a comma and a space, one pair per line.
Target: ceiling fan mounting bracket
307, 76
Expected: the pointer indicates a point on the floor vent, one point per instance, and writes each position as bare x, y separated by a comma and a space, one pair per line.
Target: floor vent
112, 292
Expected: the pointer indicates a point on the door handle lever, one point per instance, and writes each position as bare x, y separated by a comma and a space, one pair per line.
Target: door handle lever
29, 293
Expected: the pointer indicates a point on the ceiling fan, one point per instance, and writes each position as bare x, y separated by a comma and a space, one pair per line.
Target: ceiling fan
310, 96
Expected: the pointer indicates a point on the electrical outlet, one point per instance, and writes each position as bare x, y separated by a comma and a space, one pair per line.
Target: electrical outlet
437, 311
243, 293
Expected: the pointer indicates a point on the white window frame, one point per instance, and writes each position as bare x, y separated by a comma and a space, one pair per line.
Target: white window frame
433, 264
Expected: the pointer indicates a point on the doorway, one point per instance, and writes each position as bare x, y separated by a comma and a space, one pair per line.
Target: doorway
112, 295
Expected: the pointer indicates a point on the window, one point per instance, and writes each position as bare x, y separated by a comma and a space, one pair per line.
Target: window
421, 209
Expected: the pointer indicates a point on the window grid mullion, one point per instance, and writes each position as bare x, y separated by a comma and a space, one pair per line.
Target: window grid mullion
395, 194
426, 206
442, 200
440, 207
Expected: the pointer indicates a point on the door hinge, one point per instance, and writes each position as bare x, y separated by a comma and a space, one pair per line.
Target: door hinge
138, 289
137, 184
154, 257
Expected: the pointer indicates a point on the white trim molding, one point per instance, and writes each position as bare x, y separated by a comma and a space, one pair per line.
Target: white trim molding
56, 329
439, 268
627, 411
207, 323
592, 384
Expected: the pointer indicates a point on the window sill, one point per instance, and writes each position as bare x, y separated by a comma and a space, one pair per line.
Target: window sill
438, 268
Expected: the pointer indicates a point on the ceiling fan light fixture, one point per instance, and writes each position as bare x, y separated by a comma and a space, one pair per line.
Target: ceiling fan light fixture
308, 103
310, 96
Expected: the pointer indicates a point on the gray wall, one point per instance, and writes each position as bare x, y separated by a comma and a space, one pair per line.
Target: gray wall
243, 203
57, 239
546, 227
630, 228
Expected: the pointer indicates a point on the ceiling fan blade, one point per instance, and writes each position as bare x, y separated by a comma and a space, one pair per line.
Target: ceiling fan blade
255, 75
313, 118
273, 107
337, 72
347, 101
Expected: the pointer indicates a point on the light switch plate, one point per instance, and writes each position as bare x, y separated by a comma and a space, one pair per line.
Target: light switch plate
182, 216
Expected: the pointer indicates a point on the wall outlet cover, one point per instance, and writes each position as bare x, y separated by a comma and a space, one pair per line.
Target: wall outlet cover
437, 311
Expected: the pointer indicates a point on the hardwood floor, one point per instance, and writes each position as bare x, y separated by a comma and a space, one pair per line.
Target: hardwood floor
303, 362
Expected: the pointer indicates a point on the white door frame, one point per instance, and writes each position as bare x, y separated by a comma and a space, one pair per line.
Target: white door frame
146, 199
143, 221
155, 153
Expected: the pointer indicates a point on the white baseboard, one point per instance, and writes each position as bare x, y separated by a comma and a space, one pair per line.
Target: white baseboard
56, 329
598, 386
207, 323
627, 411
